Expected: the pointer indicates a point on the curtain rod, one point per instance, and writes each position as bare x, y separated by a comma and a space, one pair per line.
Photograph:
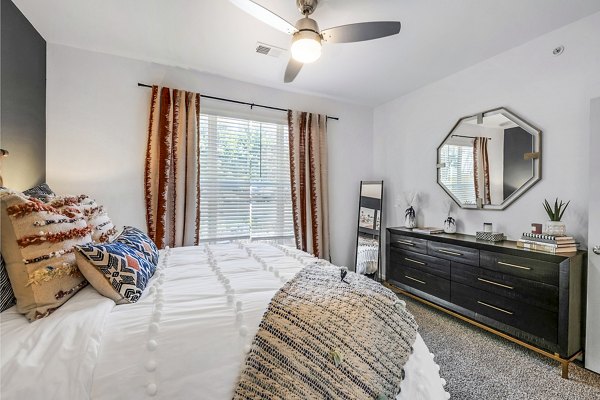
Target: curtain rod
240, 102
471, 137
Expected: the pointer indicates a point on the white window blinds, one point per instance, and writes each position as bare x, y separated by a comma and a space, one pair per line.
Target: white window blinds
458, 174
244, 179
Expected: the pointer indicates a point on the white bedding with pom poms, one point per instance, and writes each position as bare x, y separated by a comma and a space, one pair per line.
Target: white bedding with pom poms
187, 337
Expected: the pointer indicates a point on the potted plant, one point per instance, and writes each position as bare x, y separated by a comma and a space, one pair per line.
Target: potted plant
555, 226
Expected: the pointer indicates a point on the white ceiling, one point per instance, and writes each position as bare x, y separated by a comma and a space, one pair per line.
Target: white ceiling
493, 121
438, 38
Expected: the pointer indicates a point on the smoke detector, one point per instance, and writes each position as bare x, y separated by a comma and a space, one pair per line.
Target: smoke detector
558, 50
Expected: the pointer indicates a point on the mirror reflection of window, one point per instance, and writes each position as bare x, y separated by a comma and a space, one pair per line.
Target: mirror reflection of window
458, 174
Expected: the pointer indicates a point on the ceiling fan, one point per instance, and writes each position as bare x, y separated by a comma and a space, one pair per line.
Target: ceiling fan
306, 36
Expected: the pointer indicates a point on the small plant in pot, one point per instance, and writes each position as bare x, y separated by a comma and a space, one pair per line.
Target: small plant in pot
555, 226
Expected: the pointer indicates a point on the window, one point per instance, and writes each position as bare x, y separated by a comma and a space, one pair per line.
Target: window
458, 175
244, 180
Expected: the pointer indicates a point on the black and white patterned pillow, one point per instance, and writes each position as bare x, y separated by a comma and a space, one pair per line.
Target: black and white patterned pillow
7, 297
41, 192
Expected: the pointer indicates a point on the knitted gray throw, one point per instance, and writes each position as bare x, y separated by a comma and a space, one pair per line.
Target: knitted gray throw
322, 338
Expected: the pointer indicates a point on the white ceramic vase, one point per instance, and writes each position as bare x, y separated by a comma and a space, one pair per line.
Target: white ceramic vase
410, 217
556, 228
450, 225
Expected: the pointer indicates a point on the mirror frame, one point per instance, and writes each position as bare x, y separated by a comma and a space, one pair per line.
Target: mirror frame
377, 274
537, 162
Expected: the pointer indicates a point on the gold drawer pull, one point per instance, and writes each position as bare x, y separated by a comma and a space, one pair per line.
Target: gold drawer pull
495, 283
494, 307
406, 242
415, 261
450, 252
416, 280
514, 265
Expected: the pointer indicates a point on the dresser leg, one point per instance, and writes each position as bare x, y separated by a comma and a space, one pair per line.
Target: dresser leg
564, 363
565, 369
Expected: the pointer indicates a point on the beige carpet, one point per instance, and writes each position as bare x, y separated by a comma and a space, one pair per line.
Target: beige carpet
480, 366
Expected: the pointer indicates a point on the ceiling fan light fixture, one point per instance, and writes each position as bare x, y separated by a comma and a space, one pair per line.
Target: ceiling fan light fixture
307, 37
306, 46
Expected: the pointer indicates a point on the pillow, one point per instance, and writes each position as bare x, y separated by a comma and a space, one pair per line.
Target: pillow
7, 297
97, 219
138, 240
37, 246
40, 192
115, 270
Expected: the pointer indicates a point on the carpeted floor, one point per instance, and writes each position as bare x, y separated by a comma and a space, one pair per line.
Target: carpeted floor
481, 366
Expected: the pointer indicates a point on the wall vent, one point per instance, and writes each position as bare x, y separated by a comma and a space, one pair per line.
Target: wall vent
269, 50
263, 49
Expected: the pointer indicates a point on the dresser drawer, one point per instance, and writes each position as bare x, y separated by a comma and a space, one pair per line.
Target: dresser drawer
534, 293
409, 243
423, 281
534, 320
422, 262
453, 252
528, 268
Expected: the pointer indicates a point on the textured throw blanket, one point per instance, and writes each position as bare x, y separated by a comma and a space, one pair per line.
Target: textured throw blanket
322, 338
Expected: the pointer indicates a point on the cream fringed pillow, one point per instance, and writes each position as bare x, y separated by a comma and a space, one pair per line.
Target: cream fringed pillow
97, 219
37, 246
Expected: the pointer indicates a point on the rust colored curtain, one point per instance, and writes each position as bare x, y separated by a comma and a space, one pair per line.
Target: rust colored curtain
481, 166
172, 172
308, 175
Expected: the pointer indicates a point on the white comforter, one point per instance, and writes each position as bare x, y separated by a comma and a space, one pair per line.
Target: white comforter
186, 337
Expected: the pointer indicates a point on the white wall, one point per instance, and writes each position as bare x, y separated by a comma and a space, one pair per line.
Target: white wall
548, 91
96, 133
592, 345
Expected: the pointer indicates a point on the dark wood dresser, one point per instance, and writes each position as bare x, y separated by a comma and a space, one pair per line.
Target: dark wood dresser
531, 296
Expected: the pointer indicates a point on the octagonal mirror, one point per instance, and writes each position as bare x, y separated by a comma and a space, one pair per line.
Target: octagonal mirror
489, 159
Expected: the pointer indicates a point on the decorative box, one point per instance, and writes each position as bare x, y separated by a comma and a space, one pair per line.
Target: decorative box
490, 236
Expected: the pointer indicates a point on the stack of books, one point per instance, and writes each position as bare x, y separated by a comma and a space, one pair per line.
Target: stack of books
548, 243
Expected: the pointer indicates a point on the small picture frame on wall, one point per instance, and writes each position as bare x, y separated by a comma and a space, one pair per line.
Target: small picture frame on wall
367, 218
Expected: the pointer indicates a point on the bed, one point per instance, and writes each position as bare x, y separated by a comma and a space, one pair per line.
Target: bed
186, 337
367, 255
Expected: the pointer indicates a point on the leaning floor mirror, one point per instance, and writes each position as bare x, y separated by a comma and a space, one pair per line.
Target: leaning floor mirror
368, 232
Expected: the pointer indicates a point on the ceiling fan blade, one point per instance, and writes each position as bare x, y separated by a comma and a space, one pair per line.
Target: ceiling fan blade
266, 16
361, 31
291, 71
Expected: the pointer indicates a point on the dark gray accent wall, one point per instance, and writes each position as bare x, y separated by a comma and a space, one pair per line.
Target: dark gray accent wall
517, 171
23, 100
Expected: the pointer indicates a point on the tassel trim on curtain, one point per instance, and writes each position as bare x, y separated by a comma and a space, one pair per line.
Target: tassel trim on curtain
481, 165
172, 168
309, 181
